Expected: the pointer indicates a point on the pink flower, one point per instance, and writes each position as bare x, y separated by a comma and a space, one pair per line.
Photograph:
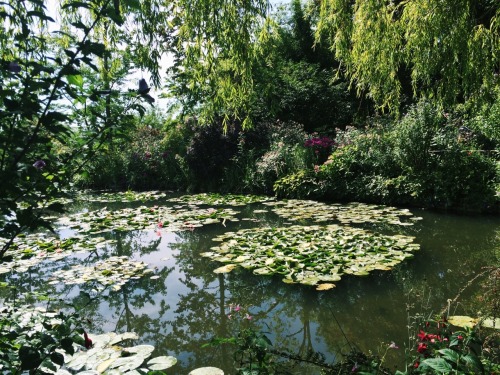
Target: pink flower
237, 308
248, 317
160, 224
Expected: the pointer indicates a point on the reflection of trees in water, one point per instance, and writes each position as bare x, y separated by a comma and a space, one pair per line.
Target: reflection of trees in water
288, 313
122, 307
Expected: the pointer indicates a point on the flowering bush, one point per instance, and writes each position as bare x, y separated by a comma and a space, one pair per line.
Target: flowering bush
439, 349
322, 147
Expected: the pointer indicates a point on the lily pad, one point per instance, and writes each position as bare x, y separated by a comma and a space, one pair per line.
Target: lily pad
139, 218
463, 321
29, 250
215, 199
162, 363
207, 371
114, 271
125, 196
352, 213
311, 255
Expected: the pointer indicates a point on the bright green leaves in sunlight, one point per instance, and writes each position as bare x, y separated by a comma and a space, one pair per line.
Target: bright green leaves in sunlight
217, 46
445, 50
311, 255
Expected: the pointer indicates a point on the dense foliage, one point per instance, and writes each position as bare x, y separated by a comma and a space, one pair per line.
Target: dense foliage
441, 50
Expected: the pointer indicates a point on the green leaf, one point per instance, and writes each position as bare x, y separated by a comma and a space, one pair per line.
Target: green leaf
438, 364
67, 345
76, 80
134, 4
472, 361
450, 355
30, 358
57, 358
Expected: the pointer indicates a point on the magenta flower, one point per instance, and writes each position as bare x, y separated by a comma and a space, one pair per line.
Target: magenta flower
237, 308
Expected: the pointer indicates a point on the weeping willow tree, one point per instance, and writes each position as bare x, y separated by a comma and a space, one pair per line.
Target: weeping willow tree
448, 50
216, 47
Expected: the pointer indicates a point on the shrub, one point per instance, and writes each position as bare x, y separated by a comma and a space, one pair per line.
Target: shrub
422, 160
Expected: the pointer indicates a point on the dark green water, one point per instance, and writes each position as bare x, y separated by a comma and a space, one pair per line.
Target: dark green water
188, 304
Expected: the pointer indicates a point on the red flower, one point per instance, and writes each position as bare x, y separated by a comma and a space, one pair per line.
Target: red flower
460, 337
422, 336
421, 348
88, 341
416, 364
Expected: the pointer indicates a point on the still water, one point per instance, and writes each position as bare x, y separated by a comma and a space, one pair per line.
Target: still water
188, 304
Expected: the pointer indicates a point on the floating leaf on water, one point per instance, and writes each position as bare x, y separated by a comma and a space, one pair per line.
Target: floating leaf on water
215, 199
491, 323
463, 321
207, 371
123, 269
161, 363
311, 254
325, 286
225, 269
127, 363
358, 213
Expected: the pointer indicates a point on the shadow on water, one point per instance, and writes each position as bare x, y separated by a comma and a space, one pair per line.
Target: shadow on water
186, 304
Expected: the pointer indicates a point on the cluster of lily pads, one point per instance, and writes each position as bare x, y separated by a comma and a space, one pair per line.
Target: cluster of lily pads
126, 196
29, 250
215, 199
102, 355
351, 213
127, 219
108, 358
114, 271
311, 255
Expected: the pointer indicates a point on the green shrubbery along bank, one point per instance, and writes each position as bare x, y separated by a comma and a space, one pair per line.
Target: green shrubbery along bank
427, 158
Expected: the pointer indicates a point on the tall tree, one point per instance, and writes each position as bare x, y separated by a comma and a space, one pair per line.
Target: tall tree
214, 38
448, 48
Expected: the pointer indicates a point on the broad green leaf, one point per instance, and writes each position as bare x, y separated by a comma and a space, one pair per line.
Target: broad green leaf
76, 80
438, 364
450, 355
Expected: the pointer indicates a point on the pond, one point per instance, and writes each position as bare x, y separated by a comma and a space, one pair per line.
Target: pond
180, 303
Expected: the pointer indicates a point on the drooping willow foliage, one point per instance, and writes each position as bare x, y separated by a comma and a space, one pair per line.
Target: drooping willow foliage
448, 50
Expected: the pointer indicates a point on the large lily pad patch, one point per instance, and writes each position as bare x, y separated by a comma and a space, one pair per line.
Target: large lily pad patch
114, 271
125, 196
215, 199
352, 213
311, 255
29, 250
173, 219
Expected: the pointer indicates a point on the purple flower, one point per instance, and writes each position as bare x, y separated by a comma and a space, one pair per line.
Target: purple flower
39, 164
